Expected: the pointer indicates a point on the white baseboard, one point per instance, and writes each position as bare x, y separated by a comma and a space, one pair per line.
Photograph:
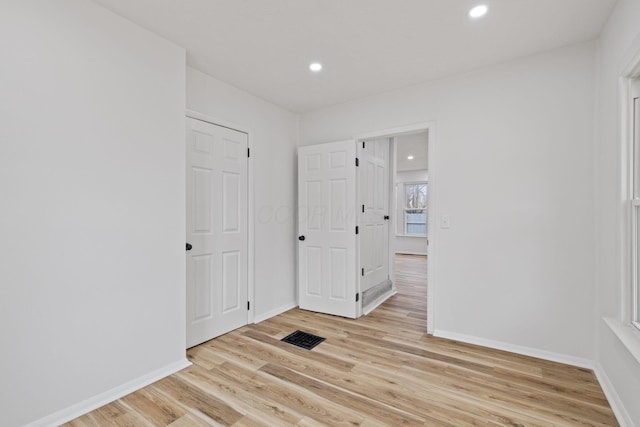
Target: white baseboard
74, 411
526, 351
410, 253
272, 313
379, 301
624, 419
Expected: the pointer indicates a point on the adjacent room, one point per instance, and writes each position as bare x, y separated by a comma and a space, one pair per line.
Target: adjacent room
302, 212
411, 188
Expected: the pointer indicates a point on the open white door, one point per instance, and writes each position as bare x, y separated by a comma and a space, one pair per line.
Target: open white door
327, 271
216, 230
373, 179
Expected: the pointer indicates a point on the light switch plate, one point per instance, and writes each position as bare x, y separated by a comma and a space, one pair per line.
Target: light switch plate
445, 221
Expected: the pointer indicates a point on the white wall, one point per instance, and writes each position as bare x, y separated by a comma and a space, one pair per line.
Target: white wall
92, 217
273, 133
620, 38
513, 167
408, 244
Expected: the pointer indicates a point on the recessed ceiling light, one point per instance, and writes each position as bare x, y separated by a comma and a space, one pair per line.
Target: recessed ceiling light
316, 66
478, 11
409, 157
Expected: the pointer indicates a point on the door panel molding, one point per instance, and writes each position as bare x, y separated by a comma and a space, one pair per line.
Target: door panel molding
217, 226
327, 267
193, 114
373, 196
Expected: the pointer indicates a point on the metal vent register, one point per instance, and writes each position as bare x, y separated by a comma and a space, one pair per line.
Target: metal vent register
303, 340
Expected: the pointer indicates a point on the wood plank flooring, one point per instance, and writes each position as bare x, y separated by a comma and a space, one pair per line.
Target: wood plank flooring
379, 370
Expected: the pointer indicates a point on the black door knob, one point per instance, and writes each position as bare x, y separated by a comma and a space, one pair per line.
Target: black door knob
301, 238
189, 246
386, 217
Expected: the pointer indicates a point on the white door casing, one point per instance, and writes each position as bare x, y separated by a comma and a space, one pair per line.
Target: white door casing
373, 196
327, 273
217, 264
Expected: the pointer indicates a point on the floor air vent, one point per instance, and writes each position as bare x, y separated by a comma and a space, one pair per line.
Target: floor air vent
303, 339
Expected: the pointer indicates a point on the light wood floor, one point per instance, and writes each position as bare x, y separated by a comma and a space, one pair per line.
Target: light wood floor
381, 369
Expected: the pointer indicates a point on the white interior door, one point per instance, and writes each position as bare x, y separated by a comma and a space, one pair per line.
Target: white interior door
373, 195
327, 270
217, 230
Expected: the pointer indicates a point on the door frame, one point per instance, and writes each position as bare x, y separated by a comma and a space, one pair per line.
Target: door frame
432, 246
250, 204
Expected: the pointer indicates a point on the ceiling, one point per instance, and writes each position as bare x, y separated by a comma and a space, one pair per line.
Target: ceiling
366, 46
411, 145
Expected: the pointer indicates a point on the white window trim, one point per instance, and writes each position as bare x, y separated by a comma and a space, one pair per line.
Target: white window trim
621, 326
404, 209
628, 335
631, 96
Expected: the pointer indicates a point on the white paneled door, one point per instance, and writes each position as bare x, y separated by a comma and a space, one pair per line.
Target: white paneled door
327, 271
373, 194
216, 230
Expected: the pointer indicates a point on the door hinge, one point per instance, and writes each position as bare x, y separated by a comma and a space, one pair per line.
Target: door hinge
362, 144
357, 230
362, 271
248, 305
248, 152
362, 208
357, 162
357, 297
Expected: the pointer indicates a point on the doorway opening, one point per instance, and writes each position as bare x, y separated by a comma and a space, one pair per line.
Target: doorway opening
411, 241
412, 221
350, 216
404, 243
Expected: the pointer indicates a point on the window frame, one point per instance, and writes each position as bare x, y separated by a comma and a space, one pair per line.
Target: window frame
405, 209
633, 104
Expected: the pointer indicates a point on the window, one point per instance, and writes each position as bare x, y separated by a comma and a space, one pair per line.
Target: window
415, 209
635, 202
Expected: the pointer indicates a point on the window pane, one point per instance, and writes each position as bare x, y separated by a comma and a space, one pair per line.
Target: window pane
416, 222
416, 196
